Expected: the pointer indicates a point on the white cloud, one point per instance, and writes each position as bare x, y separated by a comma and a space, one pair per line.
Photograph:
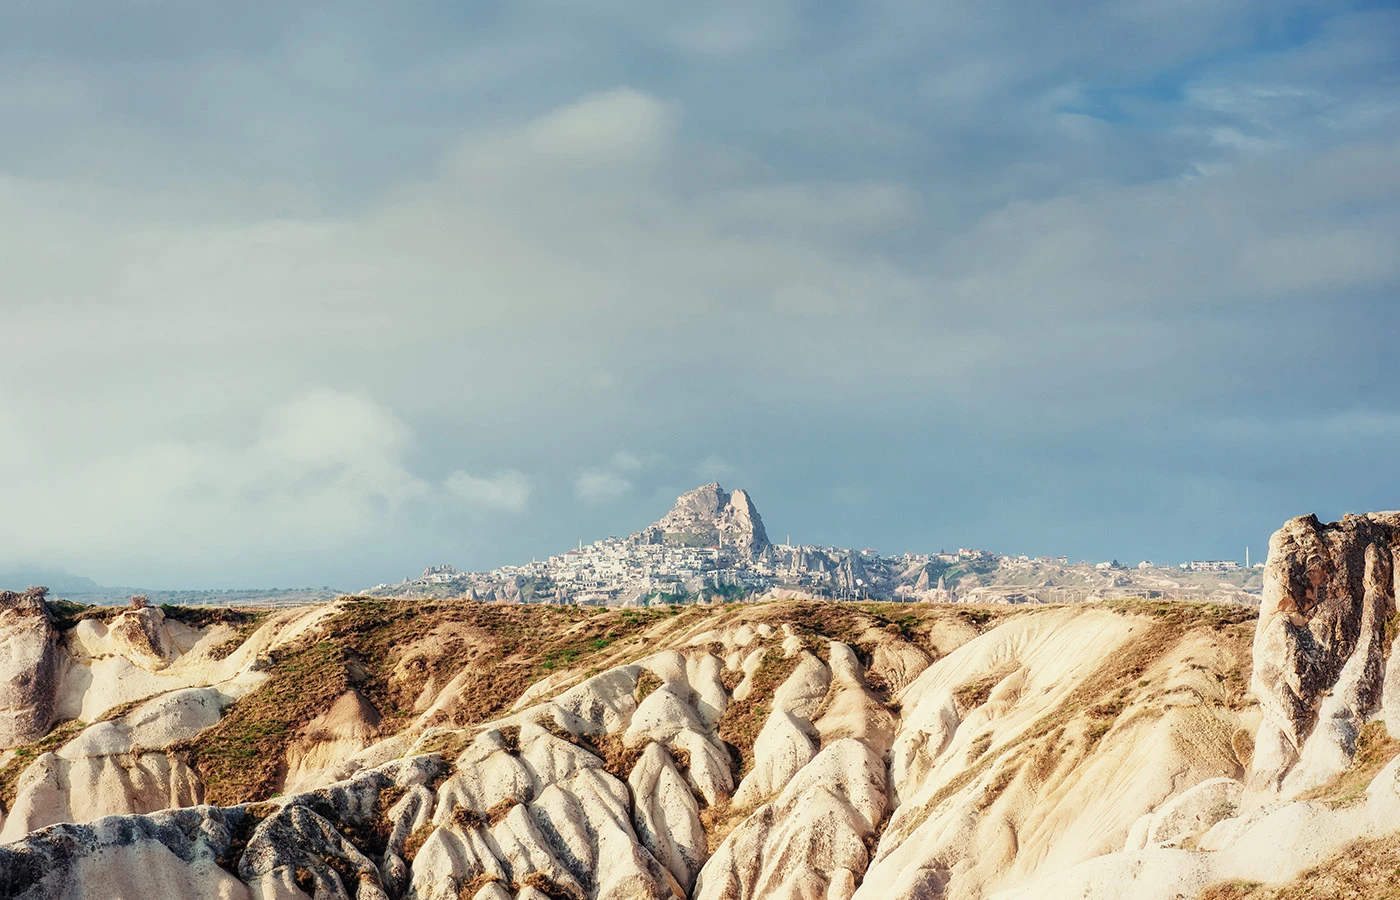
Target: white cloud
626, 461
508, 491
715, 468
940, 209
323, 468
600, 486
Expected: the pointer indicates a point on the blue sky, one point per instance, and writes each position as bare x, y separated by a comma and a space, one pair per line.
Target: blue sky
309, 293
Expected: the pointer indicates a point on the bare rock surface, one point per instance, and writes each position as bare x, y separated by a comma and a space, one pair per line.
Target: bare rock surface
784, 750
1319, 651
31, 664
710, 513
118, 766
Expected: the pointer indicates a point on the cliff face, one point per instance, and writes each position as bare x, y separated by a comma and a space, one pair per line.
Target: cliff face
30, 667
1320, 649
709, 514
387, 750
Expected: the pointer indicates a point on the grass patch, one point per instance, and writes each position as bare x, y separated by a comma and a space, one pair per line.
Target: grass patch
388, 650
618, 758
1391, 631
1234, 889
66, 614
744, 719
25, 754
1367, 868
242, 758
978, 746
1184, 613
243, 622
997, 786
647, 683
1374, 749
972, 694
542, 883
415, 841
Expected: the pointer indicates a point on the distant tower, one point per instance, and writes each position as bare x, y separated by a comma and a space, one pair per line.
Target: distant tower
1246, 557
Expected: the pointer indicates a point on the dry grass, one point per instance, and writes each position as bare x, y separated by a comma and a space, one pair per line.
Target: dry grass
1374, 749
997, 786
242, 758
1068, 734
1366, 869
972, 694
415, 841
744, 719
719, 821
25, 754
469, 889
448, 744
618, 758
65, 613
646, 684
1235, 889
389, 650
497, 814
542, 883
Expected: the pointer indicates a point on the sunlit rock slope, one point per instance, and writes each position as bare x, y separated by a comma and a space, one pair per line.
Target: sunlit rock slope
385, 749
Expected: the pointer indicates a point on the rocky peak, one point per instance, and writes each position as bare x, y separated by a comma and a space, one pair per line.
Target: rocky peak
30, 666
700, 517
30, 602
1319, 650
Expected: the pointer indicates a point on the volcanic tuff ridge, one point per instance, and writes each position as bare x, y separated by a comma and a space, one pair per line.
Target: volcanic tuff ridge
383, 750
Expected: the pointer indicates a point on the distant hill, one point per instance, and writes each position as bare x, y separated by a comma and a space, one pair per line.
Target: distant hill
65, 585
58, 582
713, 545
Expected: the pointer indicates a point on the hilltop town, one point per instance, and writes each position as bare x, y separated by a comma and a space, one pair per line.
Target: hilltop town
713, 546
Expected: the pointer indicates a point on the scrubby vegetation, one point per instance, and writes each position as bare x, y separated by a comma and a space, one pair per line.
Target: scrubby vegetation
743, 719
22, 756
243, 621
1368, 868
1374, 749
66, 614
390, 651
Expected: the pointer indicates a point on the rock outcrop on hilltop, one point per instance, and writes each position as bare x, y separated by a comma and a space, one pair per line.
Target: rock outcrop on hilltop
30, 667
1320, 649
709, 514
385, 750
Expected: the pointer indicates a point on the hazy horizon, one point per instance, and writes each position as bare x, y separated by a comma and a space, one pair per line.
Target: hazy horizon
37, 574
321, 294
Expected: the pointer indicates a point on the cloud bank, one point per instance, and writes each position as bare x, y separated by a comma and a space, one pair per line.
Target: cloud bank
327, 297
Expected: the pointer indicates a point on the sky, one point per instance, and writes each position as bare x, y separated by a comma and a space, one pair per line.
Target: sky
307, 293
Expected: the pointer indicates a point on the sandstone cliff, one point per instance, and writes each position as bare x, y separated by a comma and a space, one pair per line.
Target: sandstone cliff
379, 749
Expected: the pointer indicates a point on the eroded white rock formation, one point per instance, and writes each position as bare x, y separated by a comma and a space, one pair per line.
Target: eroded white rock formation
1057, 753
